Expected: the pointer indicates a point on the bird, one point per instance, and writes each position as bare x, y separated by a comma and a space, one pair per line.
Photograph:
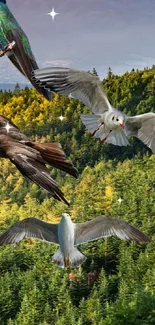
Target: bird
30, 157
15, 44
51, 153
107, 123
68, 235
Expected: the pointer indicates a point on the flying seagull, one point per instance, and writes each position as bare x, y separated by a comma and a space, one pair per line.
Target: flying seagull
68, 235
15, 44
51, 153
107, 123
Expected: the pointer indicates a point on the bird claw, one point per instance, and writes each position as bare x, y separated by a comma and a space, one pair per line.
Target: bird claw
66, 262
94, 132
97, 128
103, 140
11, 46
2, 52
8, 48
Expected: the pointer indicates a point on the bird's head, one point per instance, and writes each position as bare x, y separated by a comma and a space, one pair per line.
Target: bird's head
3, 1
118, 120
66, 216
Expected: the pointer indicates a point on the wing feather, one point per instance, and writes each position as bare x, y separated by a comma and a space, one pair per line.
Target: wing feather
31, 165
30, 228
26, 60
82, 85
118, 138
143, 127
105, 226
13, 132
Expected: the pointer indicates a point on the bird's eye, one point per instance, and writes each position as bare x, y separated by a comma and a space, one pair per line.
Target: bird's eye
117, 119
113, 118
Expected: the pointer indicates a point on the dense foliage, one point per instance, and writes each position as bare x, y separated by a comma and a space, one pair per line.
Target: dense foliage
116, 284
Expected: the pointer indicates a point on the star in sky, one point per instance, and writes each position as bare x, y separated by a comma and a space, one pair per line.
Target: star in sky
119, 200
8, 127
61, 118
53, 13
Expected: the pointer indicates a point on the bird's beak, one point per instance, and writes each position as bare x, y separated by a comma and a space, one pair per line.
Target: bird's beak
122, 125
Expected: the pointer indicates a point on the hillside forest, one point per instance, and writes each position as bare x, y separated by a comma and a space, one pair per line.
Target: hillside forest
116, 284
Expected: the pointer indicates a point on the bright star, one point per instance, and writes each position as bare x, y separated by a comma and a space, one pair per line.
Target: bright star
7, 127
120, 200
61, 118
53, 14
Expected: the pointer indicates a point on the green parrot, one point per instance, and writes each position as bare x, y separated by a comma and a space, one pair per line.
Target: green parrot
15, 44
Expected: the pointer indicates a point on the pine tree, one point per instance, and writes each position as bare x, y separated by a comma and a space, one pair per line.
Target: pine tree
17, 88
95, 72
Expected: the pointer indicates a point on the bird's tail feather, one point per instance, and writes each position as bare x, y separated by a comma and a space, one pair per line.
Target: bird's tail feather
53, 155
118, 138
58, 258
75, 258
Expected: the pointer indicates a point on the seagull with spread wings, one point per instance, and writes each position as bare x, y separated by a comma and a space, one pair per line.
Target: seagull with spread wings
30, 157
68, 235
107, 123
15, 44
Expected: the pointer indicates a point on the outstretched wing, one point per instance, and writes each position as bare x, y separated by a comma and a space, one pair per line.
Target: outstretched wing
80, 84
30, 228
31, 165
143, 127
105, 226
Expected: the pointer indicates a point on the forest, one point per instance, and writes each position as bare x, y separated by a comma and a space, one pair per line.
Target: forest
116, 284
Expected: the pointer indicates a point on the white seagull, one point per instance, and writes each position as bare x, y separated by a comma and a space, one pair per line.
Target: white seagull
107, 123
68, 235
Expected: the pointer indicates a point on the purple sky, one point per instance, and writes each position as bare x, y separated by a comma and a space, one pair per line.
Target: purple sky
86, 34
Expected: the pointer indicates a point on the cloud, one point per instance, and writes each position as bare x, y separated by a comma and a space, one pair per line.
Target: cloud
136, 62
140, 61
59, 63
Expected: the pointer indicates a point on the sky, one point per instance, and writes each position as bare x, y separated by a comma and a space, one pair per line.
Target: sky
86, 34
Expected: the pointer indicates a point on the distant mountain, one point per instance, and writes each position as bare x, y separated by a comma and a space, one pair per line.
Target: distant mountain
12, 86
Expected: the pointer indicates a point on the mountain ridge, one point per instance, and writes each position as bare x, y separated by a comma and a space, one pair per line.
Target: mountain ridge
11, 86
